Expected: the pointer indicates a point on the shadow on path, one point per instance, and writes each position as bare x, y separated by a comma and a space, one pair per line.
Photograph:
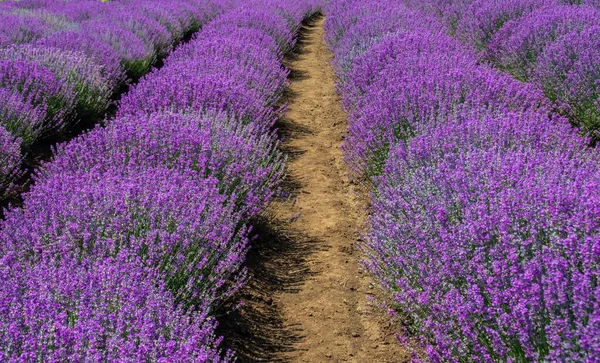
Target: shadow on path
277, 261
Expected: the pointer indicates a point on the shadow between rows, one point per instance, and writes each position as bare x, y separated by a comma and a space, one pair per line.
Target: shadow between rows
278, 261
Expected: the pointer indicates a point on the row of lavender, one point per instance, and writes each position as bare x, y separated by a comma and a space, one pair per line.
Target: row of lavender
61, 62
555, 44
485, 226
136, 232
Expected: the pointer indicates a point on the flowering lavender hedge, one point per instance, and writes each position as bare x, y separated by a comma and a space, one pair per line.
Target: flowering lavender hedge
10, 160
568, 70
480, 20
546, 42
62, 61
485, 228
91, 88
135, 232
519, 42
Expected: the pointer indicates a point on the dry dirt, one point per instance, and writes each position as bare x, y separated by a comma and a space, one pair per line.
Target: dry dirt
308, 299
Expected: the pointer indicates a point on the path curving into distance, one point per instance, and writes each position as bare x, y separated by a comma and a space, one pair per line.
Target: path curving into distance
308, 299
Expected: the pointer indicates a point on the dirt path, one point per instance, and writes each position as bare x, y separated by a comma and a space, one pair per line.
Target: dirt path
308, 300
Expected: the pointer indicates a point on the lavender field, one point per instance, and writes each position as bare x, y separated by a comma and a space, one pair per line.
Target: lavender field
299, 181
135, 232
475, 123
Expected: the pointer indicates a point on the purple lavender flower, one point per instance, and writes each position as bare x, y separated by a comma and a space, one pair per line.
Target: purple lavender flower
568, 71
40, 86
487, 246
92, 89
516, 47
110, 309
484, 18
136, 55
21, 117
173, 90
246, 17
16, 29
484, 227
101, 52
10, 162
154, 35
242, 158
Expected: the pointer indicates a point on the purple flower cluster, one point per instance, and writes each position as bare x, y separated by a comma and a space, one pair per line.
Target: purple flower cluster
15, 29
518, 44
91, 88
10, 161
568, 70
62, 61
485, 225
482, 19
29, 85
547, 42
105, 310
135, 232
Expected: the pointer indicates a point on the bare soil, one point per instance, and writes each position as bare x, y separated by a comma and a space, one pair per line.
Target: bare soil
308, 299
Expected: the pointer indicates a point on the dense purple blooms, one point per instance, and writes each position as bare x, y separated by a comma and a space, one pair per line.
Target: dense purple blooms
148, 29
485, 227
22, 117
62, 61
136, 55
568, 71
171, 219
220, 44
373, 26
175, 91
40, 86
549, 43
135, 232
16, 29
92, 89
482, 19
395, 90
242, 158
10, 161
271, 23
492, 250
99, 51
110, 309
517, 45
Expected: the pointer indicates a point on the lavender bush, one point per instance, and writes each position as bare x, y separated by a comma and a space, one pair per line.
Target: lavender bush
516, 47
97, 50
10, 162
270, 22
110, 309
40, 86
63, 61
173, 90
395, 88
135, 232
170, 219
484, 230
85, 77
546, 42
16, 29
490, 252
568, 70
22, 117
482, 19
242, 158
136, 55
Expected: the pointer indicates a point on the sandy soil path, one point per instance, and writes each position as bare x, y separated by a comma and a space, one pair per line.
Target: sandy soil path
308, 299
